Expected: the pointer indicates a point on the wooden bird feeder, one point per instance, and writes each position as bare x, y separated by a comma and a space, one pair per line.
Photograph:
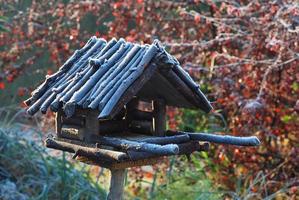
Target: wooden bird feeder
110, 101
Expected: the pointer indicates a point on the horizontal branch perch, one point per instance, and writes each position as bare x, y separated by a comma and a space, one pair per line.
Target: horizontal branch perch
175, 139
88, 152
126, 145
221, 139
184, 149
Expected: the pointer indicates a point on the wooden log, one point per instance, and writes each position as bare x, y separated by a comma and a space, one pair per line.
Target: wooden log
204, 102
221, 139
82, 85
57, 102
120, 165
89, 152
126, 145
107, 93
129, 60
134, 75
58, 122
180, 86
131, 105
111, 126
184, 149
65, 67
159, 117
75, 120
44, 107
91, 124
112, 70
117, 182
84, 89
87, 83
83, 102
82, 78
141, 126
36, 106
141, 115
134, 88
176, 139
67, 78
72, 132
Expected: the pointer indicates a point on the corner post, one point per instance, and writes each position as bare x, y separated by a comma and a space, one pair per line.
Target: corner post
116, 184
159, 117
58, 122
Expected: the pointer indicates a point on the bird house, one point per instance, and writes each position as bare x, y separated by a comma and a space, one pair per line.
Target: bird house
110, 101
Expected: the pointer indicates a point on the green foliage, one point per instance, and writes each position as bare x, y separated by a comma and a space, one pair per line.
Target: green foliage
187, 181
33, 173
196, 120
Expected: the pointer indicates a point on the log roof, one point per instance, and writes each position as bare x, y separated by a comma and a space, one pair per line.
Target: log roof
107, 75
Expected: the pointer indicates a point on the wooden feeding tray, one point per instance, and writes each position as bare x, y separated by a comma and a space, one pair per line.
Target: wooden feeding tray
127, 150
111, 99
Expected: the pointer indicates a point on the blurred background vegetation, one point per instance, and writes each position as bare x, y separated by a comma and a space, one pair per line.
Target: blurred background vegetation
244, 55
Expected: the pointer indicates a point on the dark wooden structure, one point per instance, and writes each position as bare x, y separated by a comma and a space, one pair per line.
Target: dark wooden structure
111, 98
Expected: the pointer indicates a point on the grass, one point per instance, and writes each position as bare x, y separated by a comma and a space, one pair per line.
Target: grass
28, 171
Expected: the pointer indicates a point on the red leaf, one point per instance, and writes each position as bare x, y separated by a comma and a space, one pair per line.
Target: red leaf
2, 86
197, 18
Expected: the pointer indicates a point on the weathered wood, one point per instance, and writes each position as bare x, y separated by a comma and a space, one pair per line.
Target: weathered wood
133, 89
58, 123
117, 182
111, 126
180, 86
91, 125
184, 149
141, 115
126, 145
89, 152
221, 139
36, 106
115, 82
75, 120
82, 78
65, 67
120, 165
45, 105
82, 102
136, 72
84, 89
159, 117
141, 126
72, 132
106, 79
167, 139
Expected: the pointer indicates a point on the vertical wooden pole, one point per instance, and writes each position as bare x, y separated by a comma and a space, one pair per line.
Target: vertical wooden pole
91, 124
58, 123
132, 105
159, 117
116, 184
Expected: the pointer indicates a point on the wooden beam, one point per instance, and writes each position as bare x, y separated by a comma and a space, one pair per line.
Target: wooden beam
141, 126
126, 145
89, 152
159, 117
220, 139
131, 86
117, 182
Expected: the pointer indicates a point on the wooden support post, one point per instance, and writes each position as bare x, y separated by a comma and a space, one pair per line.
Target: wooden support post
58, 122
159, 117
117, 184
91, 124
